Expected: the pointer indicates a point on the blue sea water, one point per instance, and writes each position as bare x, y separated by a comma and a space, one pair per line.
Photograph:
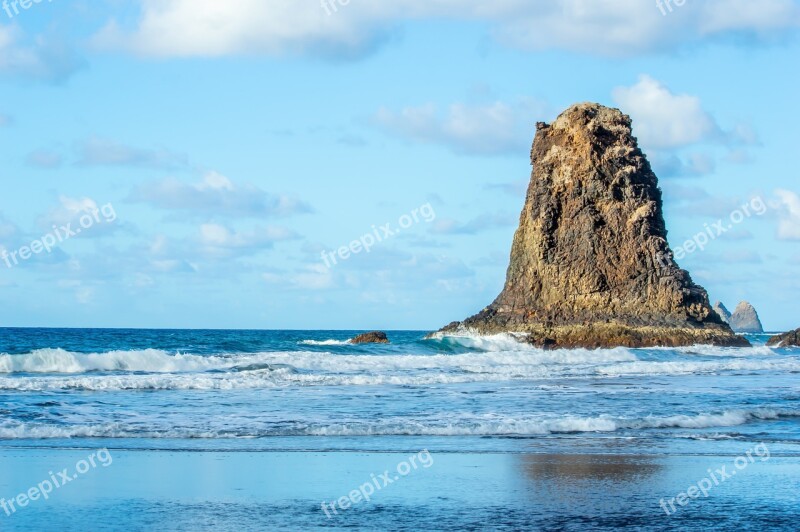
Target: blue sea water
493, 411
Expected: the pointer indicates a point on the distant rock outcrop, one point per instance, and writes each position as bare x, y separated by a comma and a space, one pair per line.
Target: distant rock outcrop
590, 263
722, 312
745, 319
374, 337
789, 339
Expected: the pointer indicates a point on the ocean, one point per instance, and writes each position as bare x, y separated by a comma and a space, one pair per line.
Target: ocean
255, 430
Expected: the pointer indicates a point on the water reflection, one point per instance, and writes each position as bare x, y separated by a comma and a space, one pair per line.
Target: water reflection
593, 484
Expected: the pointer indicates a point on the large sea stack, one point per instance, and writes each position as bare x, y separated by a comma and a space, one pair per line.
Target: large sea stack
745, 319
590, 263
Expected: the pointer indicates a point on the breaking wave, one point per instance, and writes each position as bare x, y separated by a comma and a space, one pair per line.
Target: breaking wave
151, 369
452, 425
324, 342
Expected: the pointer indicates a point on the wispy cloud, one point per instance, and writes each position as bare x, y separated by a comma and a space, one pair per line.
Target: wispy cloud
216, 195
43, 158
514, 188
488, 129
104, 152
37, 58
220, 240
484, 222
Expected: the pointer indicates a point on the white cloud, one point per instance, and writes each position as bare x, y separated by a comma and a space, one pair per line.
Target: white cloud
605, 27
210, 28
663, 119
70, 212
215, 194
487, 129
666, 122
789, 225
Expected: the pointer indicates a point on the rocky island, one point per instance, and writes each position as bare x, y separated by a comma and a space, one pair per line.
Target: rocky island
745, 319
789, 339
590, 263
723, 312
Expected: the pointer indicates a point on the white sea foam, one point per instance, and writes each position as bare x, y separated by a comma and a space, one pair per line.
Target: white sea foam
324, 342
61, 361
153, 369
492, 342
699, 367
155, 361
533, 427
453, 424
715, 351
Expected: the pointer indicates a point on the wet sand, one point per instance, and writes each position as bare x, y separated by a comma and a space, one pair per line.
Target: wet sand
223, 490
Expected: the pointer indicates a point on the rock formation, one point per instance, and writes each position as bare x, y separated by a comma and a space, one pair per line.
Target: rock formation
745, 319
722, 311
374, 337
590, 263
789, 339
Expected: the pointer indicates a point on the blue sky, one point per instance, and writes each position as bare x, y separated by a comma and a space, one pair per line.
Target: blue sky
236, 141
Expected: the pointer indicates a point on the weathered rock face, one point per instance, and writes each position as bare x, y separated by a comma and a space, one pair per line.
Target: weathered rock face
789, 339
590, 264
722, 311
374, 337
745, 319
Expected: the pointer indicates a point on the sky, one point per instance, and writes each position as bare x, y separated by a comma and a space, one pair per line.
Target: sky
234, 164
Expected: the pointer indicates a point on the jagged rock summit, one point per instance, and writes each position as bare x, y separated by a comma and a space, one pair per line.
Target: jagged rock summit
745, 319
722, 311
590, 263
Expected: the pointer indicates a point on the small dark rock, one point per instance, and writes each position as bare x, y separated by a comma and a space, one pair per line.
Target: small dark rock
374, 337
548, 344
